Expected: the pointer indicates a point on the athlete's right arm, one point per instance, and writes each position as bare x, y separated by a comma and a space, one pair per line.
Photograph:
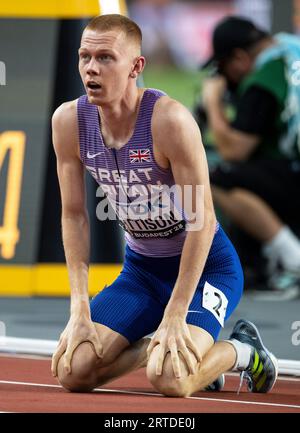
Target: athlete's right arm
75, 231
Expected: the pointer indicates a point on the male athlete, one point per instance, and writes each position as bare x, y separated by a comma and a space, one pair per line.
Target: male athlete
181, 277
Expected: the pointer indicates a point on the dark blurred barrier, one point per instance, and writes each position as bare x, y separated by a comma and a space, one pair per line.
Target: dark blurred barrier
28, 49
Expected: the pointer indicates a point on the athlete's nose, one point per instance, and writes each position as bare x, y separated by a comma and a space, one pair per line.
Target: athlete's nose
93, 67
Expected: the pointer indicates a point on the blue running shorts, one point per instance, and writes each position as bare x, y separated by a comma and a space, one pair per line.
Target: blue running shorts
133, 305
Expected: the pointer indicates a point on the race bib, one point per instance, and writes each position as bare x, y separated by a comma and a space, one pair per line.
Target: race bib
215, 301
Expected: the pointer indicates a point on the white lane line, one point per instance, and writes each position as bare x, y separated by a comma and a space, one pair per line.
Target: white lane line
248, 402
289, 379
11, 382
103, 390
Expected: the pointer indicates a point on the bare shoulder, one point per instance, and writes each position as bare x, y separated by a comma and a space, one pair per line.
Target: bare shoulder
65, 127
170, 111
173, 123
65, 114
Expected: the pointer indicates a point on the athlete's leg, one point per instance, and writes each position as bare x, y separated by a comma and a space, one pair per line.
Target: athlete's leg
123, 314
216, 359
119, 357
127, 310
216, 297
88, 371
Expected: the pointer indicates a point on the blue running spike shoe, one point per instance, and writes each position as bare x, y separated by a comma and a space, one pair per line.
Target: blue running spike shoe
262, 371
217, 385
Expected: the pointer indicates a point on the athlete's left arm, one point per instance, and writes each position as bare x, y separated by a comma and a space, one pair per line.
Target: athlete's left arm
177, 136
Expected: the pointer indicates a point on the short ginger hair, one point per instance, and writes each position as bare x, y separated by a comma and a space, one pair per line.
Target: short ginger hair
105, 23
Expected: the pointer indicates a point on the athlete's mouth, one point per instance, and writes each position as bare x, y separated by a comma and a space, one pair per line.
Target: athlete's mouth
93, 85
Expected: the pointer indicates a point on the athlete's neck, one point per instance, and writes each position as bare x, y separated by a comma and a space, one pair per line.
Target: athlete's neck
118, 118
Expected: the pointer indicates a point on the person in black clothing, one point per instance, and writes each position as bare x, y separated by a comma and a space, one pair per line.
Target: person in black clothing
257, 182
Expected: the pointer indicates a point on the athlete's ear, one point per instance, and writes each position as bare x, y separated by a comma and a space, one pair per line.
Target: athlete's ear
138, 67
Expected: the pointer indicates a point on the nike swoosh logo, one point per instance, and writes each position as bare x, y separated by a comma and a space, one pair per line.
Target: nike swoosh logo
93, 155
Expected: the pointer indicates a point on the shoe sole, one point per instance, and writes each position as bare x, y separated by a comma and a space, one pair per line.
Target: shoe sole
270, 354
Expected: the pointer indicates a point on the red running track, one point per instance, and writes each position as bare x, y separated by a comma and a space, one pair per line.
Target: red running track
26, 385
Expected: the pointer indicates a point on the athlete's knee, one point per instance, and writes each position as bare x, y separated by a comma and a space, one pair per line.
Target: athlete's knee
83, 376
167, 383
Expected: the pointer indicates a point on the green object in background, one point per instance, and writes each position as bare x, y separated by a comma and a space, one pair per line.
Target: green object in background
179, 84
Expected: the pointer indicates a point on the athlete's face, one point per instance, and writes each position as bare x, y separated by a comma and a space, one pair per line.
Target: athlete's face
108, 62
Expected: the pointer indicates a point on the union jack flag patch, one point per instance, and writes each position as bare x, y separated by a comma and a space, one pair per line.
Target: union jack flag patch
139, 155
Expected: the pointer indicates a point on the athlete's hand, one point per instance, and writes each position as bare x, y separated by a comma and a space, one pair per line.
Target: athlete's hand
173, 335
78, 330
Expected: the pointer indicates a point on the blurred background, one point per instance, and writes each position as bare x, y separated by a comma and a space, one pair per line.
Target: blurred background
38, 71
